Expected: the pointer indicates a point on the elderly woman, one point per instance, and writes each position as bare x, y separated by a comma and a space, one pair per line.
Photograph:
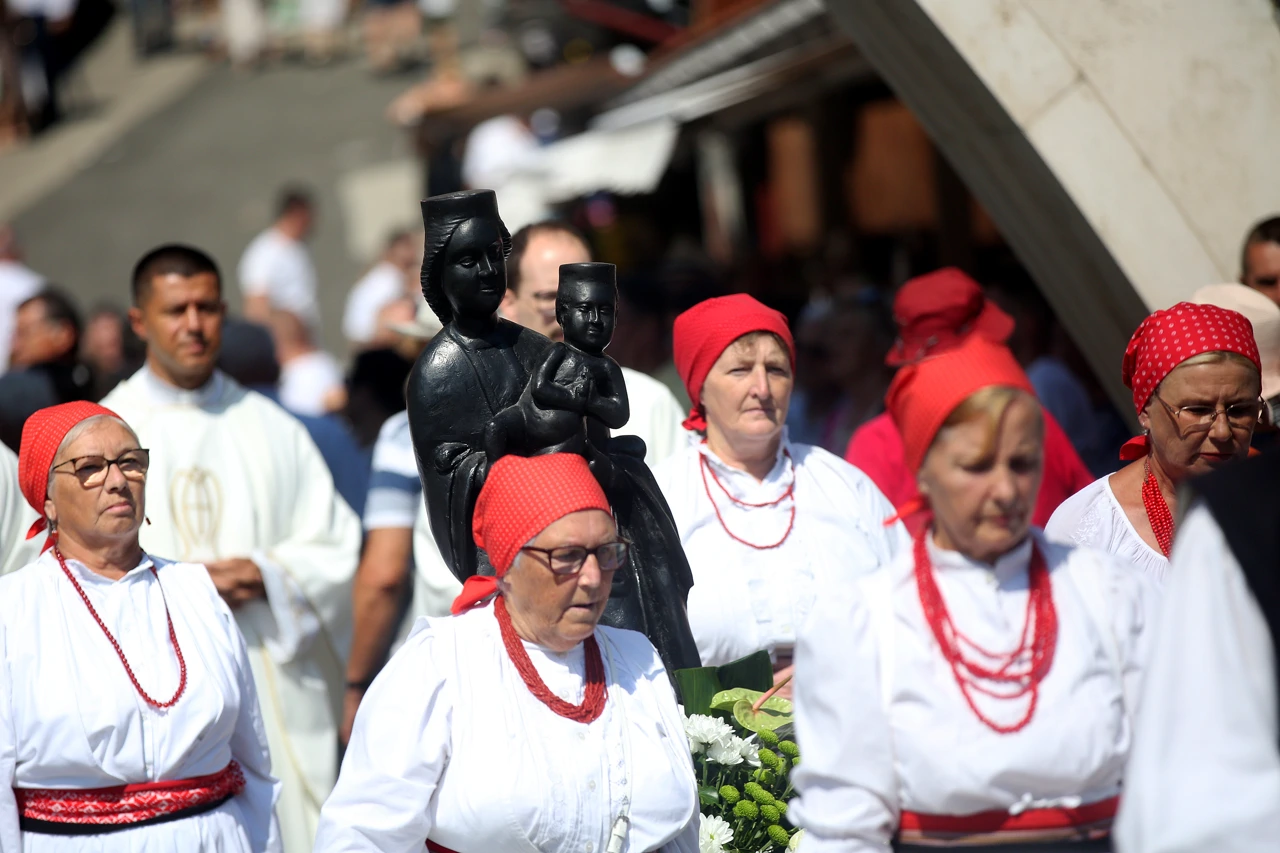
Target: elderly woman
519, 724
766, 523
1196, 381
128, 717
979, 691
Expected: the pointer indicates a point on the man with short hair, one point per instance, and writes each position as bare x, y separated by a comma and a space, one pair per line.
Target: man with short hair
1260, 259
46, 368
237, 484
276, 272
533, 280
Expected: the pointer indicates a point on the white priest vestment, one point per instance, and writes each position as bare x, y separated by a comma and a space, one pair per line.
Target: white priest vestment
16, 516
234, 475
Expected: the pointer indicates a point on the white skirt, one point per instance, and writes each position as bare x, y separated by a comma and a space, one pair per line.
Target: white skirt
217, 831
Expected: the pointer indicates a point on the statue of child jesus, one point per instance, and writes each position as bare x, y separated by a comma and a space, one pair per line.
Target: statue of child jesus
574, 380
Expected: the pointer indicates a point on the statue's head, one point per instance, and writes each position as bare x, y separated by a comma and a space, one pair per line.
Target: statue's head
464, 262
587, 304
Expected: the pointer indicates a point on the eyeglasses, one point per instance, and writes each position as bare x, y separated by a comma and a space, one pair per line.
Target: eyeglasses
569, 560
1241, 416
91, 471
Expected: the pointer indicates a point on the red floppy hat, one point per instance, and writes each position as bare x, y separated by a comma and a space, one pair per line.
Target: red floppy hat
938, 311
520, 498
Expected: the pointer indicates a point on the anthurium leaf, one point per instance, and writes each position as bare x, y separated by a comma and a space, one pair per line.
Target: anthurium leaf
697, 686
754, 672
773, 714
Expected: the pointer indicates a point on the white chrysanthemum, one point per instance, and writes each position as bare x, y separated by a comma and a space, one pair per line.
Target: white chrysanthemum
703, 731
714, 834
727, 752
750, 751
794, 844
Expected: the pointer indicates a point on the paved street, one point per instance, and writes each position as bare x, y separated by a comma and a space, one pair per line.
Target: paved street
205, 169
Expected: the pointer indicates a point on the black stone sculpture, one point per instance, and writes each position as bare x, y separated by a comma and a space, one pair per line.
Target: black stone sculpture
485, 386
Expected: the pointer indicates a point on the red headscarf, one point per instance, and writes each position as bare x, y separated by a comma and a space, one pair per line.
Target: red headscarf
924, 394
1169, 337
937, 311
520, 498
42, 434
705, 331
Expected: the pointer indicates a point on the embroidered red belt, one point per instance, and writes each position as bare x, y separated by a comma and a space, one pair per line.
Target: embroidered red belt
92, 811
1088, 822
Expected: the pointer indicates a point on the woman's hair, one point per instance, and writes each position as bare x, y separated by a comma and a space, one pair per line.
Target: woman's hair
74, 433
438, 234
990, 404
1215, 357
751, 337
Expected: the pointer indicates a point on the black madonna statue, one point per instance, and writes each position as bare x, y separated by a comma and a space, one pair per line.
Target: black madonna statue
485, 386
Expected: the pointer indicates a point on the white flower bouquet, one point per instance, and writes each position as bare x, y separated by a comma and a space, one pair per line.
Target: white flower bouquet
743, 759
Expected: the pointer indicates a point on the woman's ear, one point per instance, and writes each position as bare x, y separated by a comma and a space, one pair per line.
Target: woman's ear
51, 512
1144, 420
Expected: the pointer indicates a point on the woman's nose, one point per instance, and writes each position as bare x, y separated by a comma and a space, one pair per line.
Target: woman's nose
760, 383
590, 575
486, 266
1220, 429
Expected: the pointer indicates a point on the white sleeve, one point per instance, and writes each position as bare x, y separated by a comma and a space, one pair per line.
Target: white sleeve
249, 747
255, 270
397, 756
848, 788
16, 517
10, 834
1204, 773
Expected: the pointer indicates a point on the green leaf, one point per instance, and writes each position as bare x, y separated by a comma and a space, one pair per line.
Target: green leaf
697, 686
726, 699
709, 795
774, 713
754, 672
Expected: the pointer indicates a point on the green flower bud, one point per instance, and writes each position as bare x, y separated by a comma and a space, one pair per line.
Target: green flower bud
781, 806
767, 777
752, 790
778, 835
795, 762
767, 738
770, 813
789, 748
729, 794
761, 796
769, 758
747, 809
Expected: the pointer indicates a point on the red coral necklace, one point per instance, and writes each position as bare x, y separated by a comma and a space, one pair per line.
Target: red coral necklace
1157, 509
1019, 672
596, 693
173, 636
705, 467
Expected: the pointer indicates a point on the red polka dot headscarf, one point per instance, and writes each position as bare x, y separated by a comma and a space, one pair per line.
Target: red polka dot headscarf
42, 435
1171, 336
521, 497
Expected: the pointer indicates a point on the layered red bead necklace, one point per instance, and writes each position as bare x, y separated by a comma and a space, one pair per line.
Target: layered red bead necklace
173, 637
1157, 509
705, 466
593, 698
1015, 674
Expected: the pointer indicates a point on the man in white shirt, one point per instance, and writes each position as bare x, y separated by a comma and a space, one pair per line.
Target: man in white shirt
276, 272
533, 279
389, 279
236, 483
18, 283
